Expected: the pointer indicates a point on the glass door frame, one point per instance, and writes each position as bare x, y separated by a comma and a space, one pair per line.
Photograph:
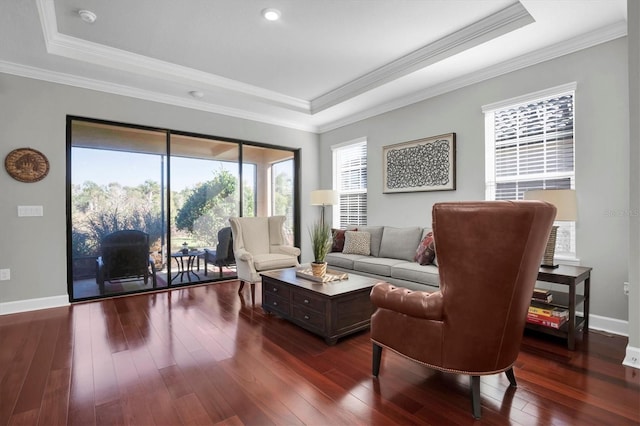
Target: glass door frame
70, 119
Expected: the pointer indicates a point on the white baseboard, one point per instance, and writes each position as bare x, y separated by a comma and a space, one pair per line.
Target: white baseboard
632, 358
33, 304
609, 325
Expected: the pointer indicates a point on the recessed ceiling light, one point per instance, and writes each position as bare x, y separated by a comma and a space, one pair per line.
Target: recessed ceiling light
196, 94
87, 16
271, 14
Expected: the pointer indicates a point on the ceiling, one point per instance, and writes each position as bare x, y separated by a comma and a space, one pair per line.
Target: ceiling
324, 64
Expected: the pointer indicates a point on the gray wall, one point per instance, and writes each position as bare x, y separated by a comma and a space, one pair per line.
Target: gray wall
33, 114
602, 150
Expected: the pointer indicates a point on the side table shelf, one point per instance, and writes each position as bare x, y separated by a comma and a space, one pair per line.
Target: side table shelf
570, 276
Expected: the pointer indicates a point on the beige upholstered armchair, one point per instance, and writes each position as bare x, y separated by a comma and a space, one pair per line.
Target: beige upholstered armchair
488, 259
259, 245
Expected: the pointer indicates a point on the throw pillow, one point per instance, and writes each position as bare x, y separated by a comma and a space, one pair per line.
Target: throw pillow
426, 252
338, 239
356, 242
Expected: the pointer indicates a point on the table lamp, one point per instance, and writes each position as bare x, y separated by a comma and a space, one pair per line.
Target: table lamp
324, 197
565, 202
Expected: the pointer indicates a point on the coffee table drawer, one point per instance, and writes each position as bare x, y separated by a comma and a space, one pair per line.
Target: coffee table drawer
275, 288
312, 320
309, 301
276, 303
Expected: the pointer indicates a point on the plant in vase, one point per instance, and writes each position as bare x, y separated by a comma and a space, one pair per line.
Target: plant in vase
321, 243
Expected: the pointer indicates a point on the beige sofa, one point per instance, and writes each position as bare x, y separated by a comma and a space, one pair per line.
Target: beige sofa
392, 251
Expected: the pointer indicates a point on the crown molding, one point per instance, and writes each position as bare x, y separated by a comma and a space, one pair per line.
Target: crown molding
100, 53
147, 95
495, 25
95, 53
599, 36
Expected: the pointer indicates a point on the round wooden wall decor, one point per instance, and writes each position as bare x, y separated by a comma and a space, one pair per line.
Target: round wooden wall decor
26, 165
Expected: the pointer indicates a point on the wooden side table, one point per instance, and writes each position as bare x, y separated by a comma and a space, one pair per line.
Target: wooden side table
570, 276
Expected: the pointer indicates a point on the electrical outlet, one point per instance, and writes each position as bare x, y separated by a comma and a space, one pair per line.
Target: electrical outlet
625, 288
5, 274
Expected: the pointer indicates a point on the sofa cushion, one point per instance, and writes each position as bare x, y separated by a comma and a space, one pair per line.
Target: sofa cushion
342, 260
357, 242
400, 243
268, 261
338, 239
376, 265
411, 271
426, 252
376, 237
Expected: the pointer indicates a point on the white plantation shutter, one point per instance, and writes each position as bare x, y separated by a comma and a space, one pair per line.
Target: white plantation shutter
530, 146
350, 169
533, 146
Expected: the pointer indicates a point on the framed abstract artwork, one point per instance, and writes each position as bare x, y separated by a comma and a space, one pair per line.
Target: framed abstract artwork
427, 164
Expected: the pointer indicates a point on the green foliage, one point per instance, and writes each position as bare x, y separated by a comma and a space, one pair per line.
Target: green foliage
320, 241
201, 211
248, 201
207, 207
283, 194
101, 210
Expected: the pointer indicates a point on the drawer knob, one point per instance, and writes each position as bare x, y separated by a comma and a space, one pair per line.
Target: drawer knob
275, 303
306, 317
306, 301
275, 290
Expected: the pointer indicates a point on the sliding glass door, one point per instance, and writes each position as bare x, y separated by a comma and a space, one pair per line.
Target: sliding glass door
149, 209
205, 193
117, 209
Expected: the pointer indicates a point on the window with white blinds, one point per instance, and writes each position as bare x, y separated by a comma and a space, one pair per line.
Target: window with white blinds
530, 146
350, 180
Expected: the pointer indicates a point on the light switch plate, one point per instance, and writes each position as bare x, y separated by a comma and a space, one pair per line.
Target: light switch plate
5, 274
30, 211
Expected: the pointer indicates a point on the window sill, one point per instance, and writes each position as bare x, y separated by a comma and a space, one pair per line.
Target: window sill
567, 260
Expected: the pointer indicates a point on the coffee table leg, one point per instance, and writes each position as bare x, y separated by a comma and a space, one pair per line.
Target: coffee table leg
331, 340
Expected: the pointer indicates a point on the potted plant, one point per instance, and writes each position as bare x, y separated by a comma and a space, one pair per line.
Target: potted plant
321, 243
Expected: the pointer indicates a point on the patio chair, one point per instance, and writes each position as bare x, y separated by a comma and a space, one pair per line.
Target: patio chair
223, 254
125, 257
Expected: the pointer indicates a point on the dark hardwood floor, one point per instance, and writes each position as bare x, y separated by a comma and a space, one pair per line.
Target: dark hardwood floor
203, 355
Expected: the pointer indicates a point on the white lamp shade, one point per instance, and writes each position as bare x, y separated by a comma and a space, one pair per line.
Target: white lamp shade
563, 199
324, 197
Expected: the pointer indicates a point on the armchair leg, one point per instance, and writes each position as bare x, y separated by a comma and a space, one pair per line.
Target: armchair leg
511, 377
376, 358
253, 291
475, 396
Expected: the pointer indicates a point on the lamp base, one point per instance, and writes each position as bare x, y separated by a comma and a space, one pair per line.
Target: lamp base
549, 266
550, 250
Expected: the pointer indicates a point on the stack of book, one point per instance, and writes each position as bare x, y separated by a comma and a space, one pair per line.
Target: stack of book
542, 295
548, 316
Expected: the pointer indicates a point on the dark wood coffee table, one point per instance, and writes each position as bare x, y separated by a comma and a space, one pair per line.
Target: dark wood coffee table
332, 310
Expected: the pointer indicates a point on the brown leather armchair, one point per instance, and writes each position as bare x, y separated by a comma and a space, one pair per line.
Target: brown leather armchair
488, 258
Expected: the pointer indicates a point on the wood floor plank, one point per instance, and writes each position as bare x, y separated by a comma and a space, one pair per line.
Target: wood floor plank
18, 365
204, 355
55, 401
36, 379
25, 418
109, 414
191, 410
